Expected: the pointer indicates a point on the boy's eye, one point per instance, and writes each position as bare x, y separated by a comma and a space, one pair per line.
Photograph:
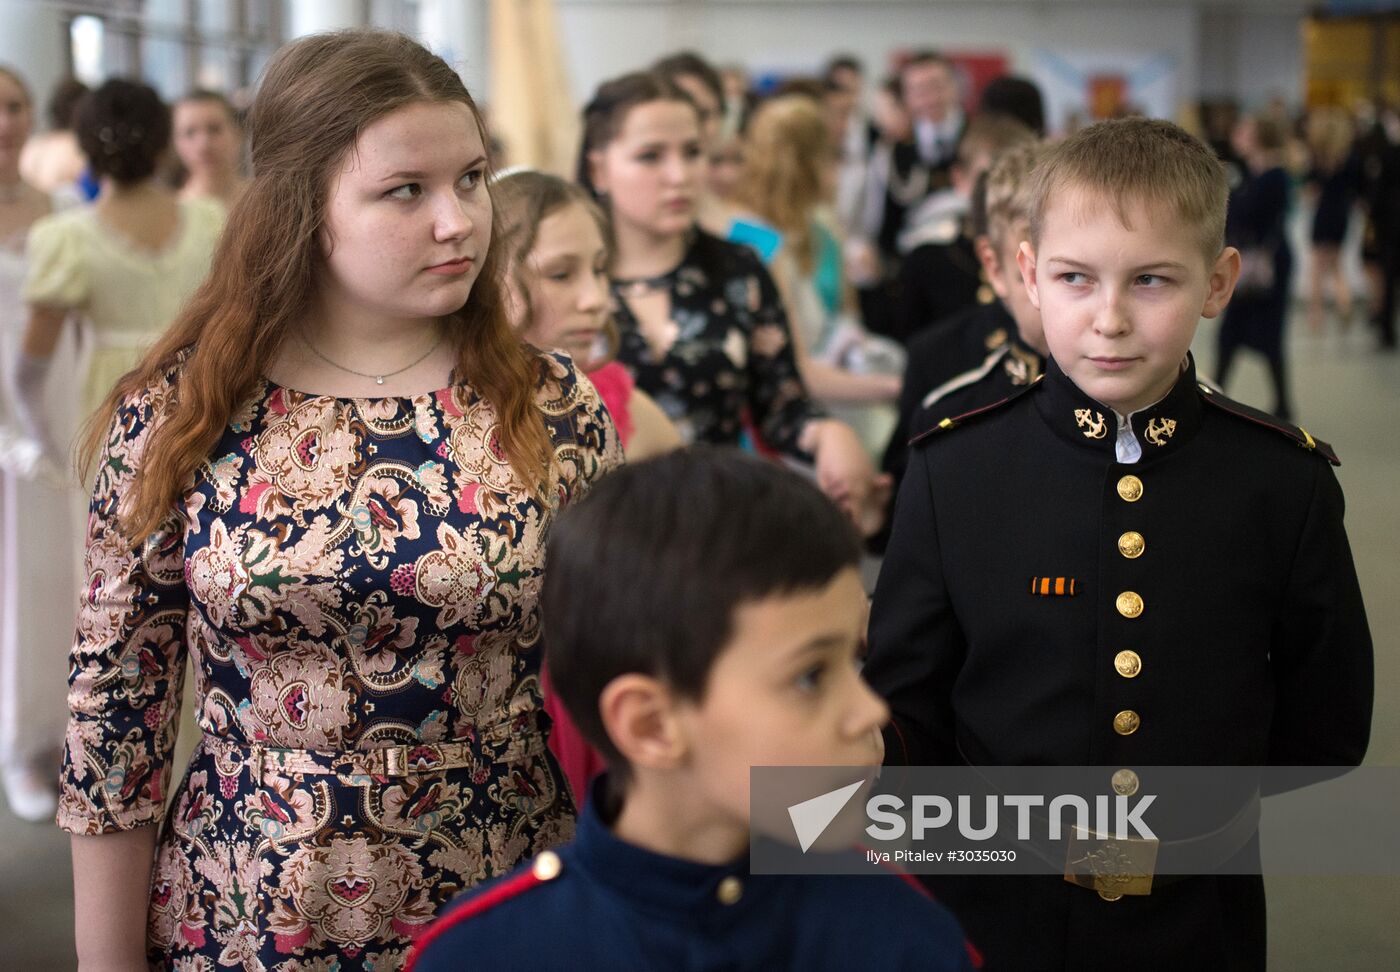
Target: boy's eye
809, 680
692, 151
1073, 278
409, 190
1150, 280
649, 157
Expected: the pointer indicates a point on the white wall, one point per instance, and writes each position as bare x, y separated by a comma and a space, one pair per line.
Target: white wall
606, 37
1251, 55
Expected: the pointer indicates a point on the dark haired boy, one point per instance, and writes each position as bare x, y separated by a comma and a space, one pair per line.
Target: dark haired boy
704, 614
1119, 567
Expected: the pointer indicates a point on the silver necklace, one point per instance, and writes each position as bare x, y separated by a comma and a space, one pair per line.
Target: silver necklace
378, 379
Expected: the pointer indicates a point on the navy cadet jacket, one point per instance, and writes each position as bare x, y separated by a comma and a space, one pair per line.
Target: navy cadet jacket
1042, 603
601, 903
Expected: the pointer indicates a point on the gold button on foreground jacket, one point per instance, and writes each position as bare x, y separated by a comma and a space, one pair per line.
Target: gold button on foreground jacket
1127, 663
1125, 782
1126, 722
1131, 545
1130, 488
730, 890
1129, 604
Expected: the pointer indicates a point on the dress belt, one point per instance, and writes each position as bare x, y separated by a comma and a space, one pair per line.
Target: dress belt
407, 759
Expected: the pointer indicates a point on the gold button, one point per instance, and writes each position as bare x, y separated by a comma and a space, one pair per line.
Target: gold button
1130, 488
1131, 545
1129, 604
1126, 722
1127, 664
1125, 782
1110, 895
730, 890
547, 866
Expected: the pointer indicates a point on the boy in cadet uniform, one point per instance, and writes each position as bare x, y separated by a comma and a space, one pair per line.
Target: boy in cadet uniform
939, 274
991, 350
1118, 567
704, 613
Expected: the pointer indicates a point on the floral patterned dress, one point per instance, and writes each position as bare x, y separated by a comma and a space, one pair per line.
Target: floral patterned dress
357, 582
727, 363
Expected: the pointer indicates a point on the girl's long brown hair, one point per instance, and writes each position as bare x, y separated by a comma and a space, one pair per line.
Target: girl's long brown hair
317, 95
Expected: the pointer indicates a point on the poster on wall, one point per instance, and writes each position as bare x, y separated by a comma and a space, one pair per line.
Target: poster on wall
1081, 87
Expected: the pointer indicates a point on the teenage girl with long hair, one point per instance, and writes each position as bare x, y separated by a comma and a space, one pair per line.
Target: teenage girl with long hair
329, 483
702, 326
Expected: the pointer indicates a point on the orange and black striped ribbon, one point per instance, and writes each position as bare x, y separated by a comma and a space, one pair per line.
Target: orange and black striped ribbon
1053, 586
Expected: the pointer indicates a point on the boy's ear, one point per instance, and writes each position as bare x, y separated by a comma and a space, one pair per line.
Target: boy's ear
1223, 277
1025, 259
990, 259
639, 716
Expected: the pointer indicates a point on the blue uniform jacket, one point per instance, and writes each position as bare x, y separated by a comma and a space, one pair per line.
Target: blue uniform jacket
601, 903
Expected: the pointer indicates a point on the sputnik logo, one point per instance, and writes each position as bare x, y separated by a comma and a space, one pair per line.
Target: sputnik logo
811, 817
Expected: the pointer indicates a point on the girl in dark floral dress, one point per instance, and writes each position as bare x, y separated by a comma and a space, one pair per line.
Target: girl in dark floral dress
703, 329
329, 485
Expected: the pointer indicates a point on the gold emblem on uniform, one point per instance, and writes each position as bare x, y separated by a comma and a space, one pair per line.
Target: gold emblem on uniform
1159, 430
1125, 782
1131, 545
1129, 604
1127, 663
547, 866
1017, 370
996, 339
730, 890
1093, 423
1126, 722
1112, 866
1130, 489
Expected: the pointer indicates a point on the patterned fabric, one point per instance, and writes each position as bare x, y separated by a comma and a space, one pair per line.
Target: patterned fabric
357, 582
728, 352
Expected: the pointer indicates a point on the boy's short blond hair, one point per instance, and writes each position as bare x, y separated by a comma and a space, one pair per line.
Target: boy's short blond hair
1137, 160
1006, 191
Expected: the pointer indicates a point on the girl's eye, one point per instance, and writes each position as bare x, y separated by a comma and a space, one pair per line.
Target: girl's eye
561, 276
649, 157
1073, 278
471, 180
692, 152
1151, 280
409, 190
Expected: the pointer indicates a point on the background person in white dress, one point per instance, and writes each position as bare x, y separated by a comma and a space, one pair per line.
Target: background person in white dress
37, 587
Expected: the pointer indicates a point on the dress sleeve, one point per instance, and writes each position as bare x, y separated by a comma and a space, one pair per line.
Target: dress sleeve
57, 264
587, 445
778, 400
127, 660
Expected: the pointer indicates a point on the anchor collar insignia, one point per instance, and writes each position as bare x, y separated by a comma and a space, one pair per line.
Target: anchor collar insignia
1080, 420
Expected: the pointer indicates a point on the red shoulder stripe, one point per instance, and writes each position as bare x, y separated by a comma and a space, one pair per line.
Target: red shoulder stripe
507, 889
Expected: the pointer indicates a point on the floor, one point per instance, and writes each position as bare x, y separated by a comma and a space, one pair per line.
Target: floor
1346, 394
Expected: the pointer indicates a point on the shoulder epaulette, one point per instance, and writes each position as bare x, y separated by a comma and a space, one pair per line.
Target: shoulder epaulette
1297, 433
546, 868
967, 377
953, 421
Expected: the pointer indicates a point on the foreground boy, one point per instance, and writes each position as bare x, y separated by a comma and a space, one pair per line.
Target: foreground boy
704, 615
1118, 567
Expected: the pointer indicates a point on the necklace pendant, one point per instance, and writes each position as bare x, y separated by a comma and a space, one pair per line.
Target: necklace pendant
379, 380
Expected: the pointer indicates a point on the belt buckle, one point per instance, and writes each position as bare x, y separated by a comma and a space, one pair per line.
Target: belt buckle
395, 761
1112, 866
